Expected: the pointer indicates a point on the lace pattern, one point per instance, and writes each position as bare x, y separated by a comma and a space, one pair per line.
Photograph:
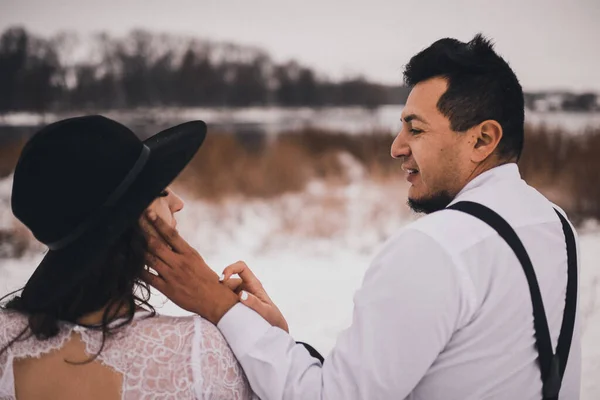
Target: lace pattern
159, 357
220, 371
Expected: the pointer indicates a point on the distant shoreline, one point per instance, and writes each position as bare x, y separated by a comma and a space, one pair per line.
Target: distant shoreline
274, 120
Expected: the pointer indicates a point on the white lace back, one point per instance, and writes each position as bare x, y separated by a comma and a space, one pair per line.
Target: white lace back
159, 357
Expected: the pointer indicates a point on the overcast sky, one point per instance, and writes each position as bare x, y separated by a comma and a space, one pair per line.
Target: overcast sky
551, 44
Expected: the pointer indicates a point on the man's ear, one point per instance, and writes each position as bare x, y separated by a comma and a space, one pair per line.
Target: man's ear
486, 137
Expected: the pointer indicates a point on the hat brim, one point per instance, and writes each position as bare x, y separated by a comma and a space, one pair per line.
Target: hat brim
170, 151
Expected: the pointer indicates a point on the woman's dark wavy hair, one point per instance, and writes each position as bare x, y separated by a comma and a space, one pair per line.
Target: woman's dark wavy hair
481, 86
114, 282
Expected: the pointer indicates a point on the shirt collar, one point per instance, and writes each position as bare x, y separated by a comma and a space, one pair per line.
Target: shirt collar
501, 172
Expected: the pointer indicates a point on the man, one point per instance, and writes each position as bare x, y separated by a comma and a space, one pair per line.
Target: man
444, 311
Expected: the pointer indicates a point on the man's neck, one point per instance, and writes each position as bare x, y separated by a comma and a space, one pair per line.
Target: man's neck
486, 165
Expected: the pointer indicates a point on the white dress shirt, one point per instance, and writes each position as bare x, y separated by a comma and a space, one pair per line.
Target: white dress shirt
444, 312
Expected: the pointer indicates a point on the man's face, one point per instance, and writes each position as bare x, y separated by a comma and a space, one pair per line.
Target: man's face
435, 158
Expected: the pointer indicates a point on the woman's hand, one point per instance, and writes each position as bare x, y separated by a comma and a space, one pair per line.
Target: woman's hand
252, 294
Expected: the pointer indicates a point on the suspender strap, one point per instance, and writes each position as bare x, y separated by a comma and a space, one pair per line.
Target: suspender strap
552, 366
312, 351
568, 322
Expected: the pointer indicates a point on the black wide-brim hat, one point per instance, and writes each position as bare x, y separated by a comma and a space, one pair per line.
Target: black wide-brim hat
81, 183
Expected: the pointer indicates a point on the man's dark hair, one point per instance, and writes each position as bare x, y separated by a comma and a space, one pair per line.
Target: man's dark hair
481, 86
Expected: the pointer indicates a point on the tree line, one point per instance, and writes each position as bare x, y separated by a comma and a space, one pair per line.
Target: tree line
144, 69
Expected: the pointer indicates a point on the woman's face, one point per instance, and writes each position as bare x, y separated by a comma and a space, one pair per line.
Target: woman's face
166, 205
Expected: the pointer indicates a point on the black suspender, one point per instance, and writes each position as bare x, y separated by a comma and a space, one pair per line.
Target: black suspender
552, 365
312, 351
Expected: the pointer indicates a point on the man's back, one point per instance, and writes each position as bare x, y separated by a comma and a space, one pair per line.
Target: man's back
491, 352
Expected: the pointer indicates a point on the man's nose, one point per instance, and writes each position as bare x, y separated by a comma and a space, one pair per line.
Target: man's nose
400, 146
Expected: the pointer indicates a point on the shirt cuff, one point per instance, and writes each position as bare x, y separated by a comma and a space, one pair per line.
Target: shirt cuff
242, 327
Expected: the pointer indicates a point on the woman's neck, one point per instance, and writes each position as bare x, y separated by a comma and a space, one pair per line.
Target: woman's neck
95, 317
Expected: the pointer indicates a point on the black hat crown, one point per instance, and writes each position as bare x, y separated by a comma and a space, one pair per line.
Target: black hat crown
69, 171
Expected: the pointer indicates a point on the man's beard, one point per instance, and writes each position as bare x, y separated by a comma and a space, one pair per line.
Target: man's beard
434, 203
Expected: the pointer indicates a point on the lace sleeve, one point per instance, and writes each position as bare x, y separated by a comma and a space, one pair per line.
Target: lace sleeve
4, 339
11, 324
217, 374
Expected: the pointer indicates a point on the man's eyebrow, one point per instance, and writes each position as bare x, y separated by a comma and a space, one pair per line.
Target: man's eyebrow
411, 117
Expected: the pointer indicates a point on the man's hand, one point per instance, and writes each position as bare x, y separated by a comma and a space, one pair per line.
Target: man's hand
183, 276
253, 294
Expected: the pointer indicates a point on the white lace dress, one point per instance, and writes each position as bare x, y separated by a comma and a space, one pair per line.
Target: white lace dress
158, 357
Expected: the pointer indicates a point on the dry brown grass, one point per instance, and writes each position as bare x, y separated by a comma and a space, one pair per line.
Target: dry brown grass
225, 166
9, 154
565, 167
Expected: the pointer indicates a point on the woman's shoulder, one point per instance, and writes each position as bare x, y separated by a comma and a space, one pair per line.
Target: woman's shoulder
11, 315
192, 326
14, 330
197, 350
188, 333
157, 320
11, 323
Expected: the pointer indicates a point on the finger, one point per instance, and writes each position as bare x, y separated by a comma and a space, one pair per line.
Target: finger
147, 227
154, 281
148, 230
251, 282
151, 260
228, 272
161, 268
243, 271
234, 284
254, 303
169, 234
158, 250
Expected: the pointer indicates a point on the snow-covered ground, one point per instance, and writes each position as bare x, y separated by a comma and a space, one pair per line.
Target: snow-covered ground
277, 119
311, 250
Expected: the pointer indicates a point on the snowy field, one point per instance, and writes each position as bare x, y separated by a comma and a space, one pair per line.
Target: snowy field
276, 119
311, 250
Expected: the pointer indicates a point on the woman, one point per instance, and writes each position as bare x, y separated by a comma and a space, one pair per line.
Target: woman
82, 327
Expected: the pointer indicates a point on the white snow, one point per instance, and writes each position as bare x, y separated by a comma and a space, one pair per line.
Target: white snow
277, 119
